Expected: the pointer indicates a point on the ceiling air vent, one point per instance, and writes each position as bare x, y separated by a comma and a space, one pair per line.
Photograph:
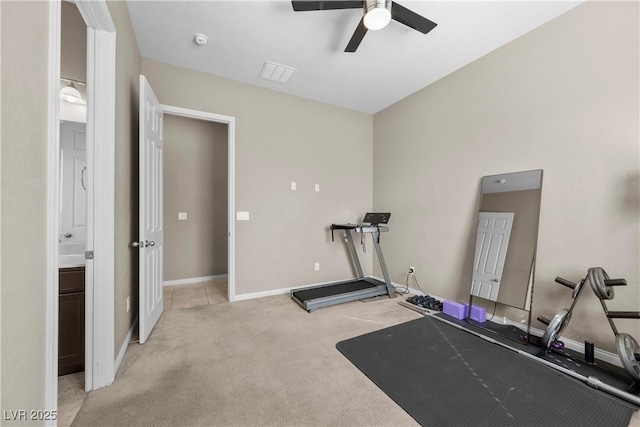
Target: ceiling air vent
276, 72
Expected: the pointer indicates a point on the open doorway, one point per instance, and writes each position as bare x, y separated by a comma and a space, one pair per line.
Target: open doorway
72, 219
91, 169
222, 122
195, 269
151, 239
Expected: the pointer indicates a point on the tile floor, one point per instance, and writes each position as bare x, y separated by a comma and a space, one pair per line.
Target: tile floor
71, 387
70, 397
179, 297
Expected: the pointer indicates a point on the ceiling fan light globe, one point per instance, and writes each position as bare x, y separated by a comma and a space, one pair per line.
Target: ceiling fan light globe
377, 18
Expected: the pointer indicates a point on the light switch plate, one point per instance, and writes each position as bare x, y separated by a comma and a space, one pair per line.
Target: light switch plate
242, 216
293, 185
182, 216
317, 187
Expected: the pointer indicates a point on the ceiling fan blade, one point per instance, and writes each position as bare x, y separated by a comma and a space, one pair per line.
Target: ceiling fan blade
411, 19
357, 37
308, 5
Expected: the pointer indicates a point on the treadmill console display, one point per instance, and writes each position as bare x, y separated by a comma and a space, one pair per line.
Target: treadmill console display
376, 218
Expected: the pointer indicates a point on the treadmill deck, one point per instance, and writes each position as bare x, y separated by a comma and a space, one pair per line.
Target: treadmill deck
334, 293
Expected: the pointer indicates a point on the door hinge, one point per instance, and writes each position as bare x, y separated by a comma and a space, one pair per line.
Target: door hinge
88, 255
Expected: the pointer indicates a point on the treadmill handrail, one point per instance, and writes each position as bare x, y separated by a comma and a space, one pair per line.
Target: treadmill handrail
360, 228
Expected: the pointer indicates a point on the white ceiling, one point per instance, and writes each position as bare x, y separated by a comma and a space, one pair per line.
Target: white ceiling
389, 65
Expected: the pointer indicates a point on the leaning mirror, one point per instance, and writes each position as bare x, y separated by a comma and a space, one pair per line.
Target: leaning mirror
506, 239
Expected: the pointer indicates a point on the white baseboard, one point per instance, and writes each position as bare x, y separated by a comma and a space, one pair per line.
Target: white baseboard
411, 290
123, 348
253, 295
194, 280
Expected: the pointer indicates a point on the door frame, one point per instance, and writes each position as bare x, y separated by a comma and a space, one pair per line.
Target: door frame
99, 287
231, 173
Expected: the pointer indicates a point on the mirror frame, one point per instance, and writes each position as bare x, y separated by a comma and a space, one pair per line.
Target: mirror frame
510, 331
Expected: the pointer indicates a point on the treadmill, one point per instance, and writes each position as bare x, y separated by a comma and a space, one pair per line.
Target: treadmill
314, 297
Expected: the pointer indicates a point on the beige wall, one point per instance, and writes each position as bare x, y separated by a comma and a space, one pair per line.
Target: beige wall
126, 187
73, 59
73, 41
281, 138
24, 109
563, 98
195, 182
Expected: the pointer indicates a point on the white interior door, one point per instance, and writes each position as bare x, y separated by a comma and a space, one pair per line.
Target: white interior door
151, 230
492, 242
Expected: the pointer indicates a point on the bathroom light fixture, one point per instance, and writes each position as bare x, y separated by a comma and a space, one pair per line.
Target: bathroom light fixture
70, 93
377, 14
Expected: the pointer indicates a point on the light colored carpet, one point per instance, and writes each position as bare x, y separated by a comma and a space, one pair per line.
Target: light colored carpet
263, 362
260, 362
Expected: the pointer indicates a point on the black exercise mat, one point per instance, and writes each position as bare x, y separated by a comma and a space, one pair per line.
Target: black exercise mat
443, 376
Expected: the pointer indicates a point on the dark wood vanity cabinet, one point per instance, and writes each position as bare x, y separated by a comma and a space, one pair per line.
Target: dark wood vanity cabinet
71, 321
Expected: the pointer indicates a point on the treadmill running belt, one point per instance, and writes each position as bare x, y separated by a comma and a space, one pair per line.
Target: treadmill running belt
330, 290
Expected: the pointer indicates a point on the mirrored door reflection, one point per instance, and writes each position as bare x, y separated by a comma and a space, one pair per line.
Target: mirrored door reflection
506, 238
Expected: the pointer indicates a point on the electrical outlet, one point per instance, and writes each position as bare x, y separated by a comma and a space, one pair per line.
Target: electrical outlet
412, 269
128, 304
317, 266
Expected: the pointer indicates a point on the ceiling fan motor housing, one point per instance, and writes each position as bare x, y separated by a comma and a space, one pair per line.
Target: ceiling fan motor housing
377, 14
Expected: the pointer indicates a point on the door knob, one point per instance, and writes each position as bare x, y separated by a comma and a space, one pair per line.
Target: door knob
494, 280
150, 243
138, 244
68, 235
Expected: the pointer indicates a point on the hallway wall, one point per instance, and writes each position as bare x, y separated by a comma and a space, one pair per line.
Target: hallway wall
195, 182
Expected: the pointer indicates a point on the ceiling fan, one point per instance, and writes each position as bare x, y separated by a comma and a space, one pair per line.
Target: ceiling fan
377, 14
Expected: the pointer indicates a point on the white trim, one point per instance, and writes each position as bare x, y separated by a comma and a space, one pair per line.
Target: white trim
53, 165
254, 295
231, 262
125, 345
194, 280
96, 15
89, 285
101, 72
413, 291
231, 153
